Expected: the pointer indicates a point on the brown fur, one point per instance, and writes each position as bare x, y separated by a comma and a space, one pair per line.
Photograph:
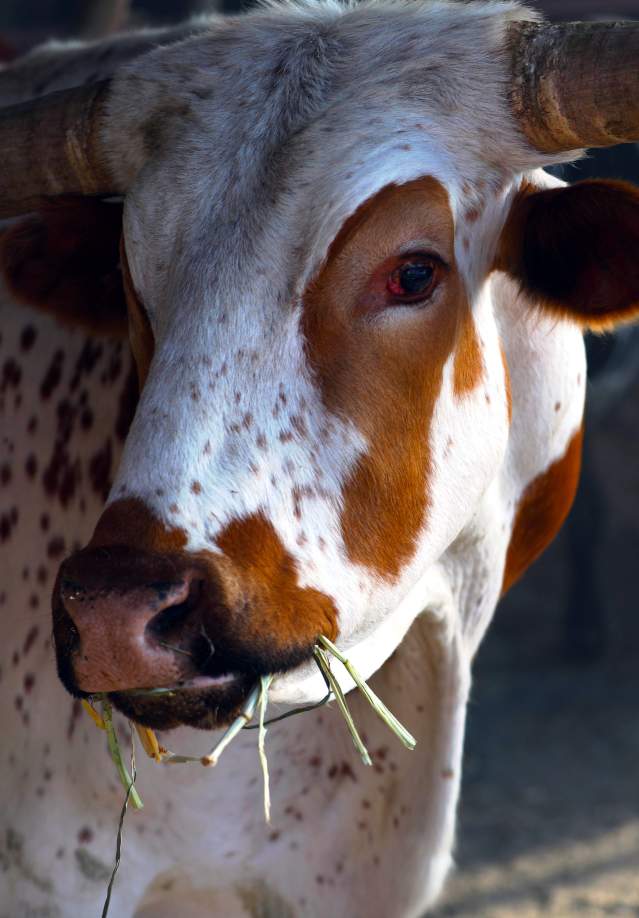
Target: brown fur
469, 363
130, 522
574, 250
264, 573
387, 381
542, 511
256, 574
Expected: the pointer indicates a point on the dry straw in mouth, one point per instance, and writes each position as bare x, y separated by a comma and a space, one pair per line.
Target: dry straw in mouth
257, 698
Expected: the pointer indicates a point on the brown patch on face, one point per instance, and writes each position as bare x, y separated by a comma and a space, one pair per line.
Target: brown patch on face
130, 522
542, 511
384, 377
262, 573
140, 333
469, 363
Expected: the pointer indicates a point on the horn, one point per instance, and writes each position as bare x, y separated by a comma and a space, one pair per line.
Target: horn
576, 84
53, 146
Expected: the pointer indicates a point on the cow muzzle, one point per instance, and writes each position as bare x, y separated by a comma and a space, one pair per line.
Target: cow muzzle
130, 620
127, 621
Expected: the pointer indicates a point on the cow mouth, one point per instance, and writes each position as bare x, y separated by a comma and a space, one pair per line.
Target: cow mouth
205, 666
203, 702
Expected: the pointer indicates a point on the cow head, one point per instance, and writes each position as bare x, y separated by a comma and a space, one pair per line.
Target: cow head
313, 207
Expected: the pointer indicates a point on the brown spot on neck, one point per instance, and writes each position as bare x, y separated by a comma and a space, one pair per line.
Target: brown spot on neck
542, 510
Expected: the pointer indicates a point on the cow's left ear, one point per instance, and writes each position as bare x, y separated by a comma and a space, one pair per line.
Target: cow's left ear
575, 250
65, 260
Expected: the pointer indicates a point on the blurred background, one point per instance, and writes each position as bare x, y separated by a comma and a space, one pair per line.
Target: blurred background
550, 802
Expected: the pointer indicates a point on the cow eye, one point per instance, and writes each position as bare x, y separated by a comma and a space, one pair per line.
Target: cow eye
414, 279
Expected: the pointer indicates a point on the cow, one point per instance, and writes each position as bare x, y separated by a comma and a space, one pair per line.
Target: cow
291, 346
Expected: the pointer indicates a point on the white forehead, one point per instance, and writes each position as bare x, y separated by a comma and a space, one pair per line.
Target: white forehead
274, 127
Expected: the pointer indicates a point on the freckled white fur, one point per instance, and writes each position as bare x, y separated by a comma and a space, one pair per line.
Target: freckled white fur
232, 215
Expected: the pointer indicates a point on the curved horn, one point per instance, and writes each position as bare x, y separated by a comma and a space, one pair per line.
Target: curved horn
576, 84
52, 146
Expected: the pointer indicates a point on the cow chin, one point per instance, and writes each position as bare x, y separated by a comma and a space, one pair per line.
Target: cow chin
209, 702
205, 708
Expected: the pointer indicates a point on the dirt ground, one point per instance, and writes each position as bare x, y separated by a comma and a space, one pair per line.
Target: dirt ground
550, 802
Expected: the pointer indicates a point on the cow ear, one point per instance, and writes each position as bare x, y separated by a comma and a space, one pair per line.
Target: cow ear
575, 251
65, 260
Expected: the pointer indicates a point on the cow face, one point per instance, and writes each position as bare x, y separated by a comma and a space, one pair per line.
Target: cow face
295, 461
312, 434
324, 395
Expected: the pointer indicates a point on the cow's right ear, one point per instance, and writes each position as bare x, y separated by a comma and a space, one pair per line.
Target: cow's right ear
65, 260
575, 251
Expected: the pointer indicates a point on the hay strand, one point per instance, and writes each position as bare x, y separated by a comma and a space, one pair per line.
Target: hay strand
376, 703
149, 742
118, 841
93, 714
323, 664
265, 682
258, 696
240, 721
114, 748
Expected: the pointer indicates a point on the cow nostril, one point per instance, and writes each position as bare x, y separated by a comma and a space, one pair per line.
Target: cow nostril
132, 623
168, 623
177, 628
181, 629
